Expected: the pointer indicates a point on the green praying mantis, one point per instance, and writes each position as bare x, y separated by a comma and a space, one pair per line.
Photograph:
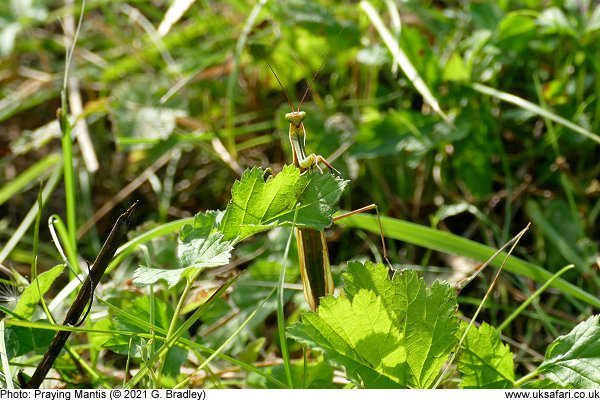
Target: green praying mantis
313, 254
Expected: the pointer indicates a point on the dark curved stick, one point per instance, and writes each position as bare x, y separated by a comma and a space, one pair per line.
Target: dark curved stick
106, 254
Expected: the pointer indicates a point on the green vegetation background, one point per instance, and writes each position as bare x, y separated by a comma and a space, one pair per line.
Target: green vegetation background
497, 127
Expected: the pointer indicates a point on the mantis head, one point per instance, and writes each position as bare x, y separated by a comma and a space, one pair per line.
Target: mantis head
295, 117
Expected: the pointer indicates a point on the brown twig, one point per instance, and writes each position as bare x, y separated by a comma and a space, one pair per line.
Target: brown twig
107, 252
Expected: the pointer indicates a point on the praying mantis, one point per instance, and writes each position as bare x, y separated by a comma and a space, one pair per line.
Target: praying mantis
313, 254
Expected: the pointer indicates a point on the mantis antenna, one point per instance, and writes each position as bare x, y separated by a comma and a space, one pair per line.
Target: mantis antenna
311, 82
318, 71
276, 77
313, 79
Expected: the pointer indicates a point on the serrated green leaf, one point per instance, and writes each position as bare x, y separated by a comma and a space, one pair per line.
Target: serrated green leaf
37, 288
485, 362
196, 253
574, 359
358, 336
370, 332
426, 315
203, 225
258, 205
197, 249
430, 326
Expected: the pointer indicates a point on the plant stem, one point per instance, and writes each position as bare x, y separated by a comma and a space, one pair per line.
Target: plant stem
526, 378
176, 313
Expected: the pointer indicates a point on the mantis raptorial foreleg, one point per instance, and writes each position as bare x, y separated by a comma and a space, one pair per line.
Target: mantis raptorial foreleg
298, 140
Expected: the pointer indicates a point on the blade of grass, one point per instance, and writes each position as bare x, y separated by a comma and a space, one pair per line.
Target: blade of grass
162, 230
190, 343
173, 14
512, 243
67, 140
69, 328
226, 342
448, 243
554, 236
232, 81
564, 179
135, 15
535, 295
25, 178
30, 217
69, 182
36, 242
175, 317
401, 59
534, 108
80, 129
60, 235
8, 380
160, 354
280, 314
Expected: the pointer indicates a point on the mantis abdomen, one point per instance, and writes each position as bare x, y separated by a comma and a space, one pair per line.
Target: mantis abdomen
314, 265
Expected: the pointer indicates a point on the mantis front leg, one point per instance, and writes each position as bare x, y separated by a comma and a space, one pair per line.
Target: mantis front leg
298, 140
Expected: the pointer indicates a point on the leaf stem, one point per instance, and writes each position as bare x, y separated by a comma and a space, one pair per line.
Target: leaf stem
526, 378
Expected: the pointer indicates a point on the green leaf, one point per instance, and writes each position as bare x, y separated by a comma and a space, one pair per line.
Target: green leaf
455, 69
199, 247
195, 252
257, 205
553, 21
21, 340
515, 31
198, 252
358, 336
33, 293
574, 359
485, 362
385, 333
